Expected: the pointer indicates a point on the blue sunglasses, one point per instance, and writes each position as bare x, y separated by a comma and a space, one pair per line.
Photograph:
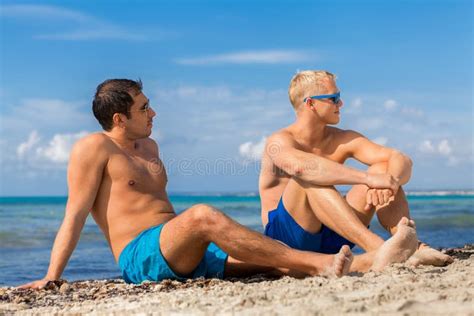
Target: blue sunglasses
335, 98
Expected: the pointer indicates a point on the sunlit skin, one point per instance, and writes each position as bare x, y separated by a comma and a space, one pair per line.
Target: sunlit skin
118, 177
303, 161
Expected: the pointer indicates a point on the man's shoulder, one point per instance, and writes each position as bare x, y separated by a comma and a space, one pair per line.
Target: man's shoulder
95, 139
343, 135
150, 144
148, 141
282, 135
93, 143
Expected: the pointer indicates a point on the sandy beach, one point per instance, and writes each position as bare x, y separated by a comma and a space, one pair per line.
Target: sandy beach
399, 290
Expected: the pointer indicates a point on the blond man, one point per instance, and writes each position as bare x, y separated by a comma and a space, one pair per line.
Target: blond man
305, 160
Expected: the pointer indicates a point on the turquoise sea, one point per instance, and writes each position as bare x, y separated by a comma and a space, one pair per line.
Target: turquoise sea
28, 226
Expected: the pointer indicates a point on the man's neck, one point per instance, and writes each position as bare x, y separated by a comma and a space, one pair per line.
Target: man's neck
309, 130
122, 140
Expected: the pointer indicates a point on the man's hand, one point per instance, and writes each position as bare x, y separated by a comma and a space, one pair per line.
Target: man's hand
378, 197
36, 285
383, 181
383, 188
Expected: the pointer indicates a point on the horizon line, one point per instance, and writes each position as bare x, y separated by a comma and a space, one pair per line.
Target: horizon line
467, 191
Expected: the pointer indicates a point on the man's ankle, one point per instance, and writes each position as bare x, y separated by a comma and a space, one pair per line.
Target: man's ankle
374, 245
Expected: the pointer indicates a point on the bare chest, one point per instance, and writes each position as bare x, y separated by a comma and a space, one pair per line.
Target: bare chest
329, 151
143, 173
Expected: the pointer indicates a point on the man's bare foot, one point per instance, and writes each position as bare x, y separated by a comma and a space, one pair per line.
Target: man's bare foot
341, 263
425, 255
398, 248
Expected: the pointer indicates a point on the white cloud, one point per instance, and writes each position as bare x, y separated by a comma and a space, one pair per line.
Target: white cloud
252, 151
25, 147
86, 27
250, 57
53, 154
30, 124
390, 105
444, 148
46, 114
426, 147
380, 140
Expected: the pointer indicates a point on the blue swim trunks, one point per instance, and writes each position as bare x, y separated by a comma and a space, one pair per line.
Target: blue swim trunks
281, 226
142, 260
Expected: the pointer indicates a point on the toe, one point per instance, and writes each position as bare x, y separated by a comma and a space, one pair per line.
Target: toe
338, 269
403, 221
346, 251
449, 260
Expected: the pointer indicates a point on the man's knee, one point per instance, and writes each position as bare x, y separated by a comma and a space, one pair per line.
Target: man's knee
203, 215
380, 167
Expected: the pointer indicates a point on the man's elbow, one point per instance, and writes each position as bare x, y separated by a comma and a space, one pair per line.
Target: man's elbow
294, 171
408, 161
310, 171
404, 157
407, 165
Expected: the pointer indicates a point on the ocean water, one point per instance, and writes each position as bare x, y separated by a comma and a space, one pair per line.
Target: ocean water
28, 226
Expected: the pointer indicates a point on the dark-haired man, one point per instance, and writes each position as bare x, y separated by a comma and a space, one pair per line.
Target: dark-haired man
118, 177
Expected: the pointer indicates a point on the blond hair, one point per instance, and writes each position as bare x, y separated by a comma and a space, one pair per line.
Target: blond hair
306, 83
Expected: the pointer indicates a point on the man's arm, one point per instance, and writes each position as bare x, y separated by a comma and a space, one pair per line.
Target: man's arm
369, 153
399, 165
317, 170
85, 171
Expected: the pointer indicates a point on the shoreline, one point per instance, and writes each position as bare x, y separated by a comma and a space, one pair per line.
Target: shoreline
399, 289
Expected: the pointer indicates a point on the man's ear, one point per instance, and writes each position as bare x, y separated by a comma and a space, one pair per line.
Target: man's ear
119, 119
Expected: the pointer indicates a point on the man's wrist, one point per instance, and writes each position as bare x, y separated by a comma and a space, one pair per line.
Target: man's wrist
364, 179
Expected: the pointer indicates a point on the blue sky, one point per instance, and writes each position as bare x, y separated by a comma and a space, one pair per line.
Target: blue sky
217, 74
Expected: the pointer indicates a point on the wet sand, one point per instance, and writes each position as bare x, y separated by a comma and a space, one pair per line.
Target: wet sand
398, 290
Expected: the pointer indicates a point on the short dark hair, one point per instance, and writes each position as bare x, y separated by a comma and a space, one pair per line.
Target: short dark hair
114, 96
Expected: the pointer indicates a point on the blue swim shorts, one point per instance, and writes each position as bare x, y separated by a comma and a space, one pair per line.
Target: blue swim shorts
281, 226
142, 260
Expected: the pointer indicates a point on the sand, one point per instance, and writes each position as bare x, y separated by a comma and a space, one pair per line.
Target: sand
398, 290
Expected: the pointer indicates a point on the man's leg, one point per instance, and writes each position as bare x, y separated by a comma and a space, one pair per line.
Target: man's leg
311, 206
185, 238
237, 268
390, 215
